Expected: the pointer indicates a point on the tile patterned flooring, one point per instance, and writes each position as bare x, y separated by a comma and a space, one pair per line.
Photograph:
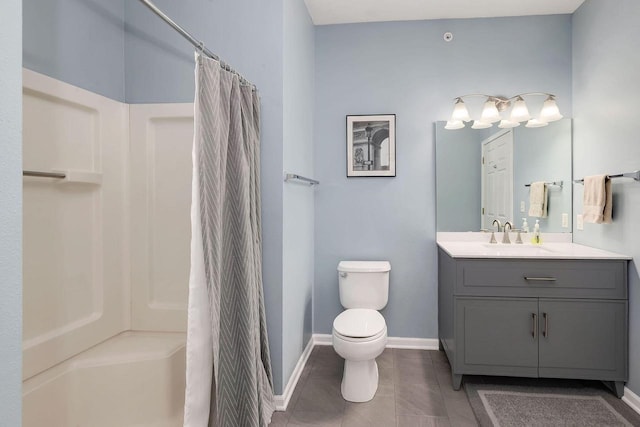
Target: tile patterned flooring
414, 391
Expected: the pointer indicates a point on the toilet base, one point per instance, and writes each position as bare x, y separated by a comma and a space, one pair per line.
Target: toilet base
359, 380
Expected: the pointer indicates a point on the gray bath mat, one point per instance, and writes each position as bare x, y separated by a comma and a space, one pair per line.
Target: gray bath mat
511, 402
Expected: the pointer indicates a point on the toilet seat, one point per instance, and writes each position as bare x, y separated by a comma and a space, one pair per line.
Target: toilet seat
357, 340
359, 324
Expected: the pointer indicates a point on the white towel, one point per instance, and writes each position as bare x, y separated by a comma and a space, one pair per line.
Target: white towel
538, 199
597, 199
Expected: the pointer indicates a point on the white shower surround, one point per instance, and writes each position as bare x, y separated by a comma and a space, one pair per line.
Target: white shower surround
133, 379
105, 262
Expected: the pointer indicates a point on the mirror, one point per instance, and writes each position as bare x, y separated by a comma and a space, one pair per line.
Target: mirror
513, 159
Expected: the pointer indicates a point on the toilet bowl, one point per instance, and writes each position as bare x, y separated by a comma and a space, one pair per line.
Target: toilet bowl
360, 332
359, 336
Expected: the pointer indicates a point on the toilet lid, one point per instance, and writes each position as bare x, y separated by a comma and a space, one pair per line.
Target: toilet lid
359, 323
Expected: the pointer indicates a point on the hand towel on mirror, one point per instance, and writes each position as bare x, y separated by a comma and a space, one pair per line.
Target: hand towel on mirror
595, 198
538, 199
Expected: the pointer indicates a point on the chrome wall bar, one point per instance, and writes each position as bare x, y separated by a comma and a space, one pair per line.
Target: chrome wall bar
197, 43
556, 183
293, 176
634, 175
39, 174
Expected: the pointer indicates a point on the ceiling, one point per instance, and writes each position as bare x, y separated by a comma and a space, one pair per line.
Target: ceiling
325, 12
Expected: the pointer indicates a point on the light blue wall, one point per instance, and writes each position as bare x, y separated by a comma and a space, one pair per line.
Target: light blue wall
298, 207
458, 178
606, 89
248, 35
11, 212
80, 42
406, 68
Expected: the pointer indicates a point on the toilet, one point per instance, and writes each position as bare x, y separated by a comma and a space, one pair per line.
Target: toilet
360, 332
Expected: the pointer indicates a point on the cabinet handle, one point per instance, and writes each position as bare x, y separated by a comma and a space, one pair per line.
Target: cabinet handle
540, 279
545, 332
534, 321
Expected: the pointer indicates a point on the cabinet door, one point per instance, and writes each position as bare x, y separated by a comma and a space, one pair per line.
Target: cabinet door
583, 339
498, 336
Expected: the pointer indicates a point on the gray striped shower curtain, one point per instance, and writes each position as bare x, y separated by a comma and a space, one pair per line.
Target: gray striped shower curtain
229, 381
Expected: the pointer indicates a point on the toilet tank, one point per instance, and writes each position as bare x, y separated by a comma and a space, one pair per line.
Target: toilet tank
364, 284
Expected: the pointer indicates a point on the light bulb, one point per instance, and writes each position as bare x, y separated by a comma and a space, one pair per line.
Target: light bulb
508, 124
535, 123
479, 124
454, 124
460, 111
490, 113
550, 111
519, 112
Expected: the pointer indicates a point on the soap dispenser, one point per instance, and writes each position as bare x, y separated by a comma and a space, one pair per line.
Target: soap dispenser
525, 225
536, 239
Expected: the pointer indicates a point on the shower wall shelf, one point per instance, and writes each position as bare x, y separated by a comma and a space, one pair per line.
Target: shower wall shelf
634, 175
67, 176
294, 177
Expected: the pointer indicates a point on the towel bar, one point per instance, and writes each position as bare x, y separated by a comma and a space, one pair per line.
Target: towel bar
293, 176
634, 175
556, 183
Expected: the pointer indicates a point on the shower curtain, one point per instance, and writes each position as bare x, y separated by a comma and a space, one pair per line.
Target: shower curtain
229, 381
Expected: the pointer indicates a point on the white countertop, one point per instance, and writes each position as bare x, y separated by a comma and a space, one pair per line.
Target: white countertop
476, 245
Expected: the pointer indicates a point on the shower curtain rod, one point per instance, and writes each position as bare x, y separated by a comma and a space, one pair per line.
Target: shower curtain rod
197, 43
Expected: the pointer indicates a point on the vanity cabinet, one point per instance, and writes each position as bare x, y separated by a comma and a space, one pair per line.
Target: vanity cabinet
534, 318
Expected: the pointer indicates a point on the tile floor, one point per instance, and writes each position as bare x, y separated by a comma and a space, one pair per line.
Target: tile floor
414, 390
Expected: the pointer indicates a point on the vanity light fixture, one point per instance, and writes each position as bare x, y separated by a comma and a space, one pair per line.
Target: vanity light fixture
510, 112
550, 111
479, 124
490, 113
460, 112
535, 123
454, 124
519, 112
508, 124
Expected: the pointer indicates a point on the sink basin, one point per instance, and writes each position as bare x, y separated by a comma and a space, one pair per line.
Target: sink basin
516, 249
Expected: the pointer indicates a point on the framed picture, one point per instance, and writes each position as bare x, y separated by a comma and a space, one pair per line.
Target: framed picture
371, 145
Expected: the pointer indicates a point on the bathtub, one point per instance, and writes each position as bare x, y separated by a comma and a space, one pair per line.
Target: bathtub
132, 379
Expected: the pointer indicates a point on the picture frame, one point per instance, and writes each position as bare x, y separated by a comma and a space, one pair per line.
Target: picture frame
371, 145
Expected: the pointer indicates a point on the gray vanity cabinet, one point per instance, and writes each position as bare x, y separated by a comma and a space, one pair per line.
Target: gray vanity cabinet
497, 336
582, 339
534, 318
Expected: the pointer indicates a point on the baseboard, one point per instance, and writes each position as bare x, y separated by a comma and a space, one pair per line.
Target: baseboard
282, 400
631, 399
322, 339
413, 343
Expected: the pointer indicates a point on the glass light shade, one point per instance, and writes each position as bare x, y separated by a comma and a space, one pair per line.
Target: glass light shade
508, 124
550, 111
519, 112
454, 124
535, 123
479, 124
490, 113
460, 112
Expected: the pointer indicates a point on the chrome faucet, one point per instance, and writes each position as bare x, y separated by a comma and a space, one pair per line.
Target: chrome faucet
499, 224
505, 235
493, 235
